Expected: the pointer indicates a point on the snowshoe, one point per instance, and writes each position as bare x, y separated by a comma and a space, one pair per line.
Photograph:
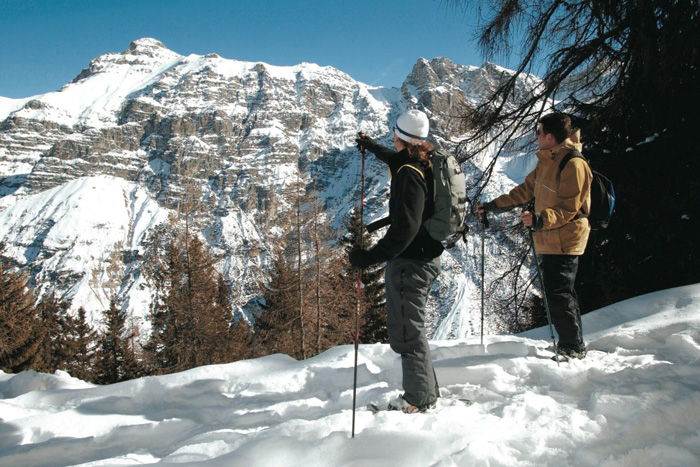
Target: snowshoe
400, 404
564, 353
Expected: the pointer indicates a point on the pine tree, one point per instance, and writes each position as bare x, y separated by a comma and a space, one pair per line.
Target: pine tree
83, 342
191, 321
238, 333
115, 360
306, 306
625, 70
334, 322
56, 348
19, 337
297, 242
286, 321
274, 325
373, 305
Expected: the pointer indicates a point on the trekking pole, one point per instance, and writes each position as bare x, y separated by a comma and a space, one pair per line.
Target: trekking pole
359, 287
530, 207
484, 226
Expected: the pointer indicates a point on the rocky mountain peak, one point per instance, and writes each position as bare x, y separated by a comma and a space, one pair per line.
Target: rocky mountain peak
435, 72
422, 75
145, 45
147, 52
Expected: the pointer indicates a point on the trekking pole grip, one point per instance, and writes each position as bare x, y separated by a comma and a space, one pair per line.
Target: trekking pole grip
484, 220
362, 149
531, 208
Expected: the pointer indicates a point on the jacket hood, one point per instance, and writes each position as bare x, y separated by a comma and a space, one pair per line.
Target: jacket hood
560, 150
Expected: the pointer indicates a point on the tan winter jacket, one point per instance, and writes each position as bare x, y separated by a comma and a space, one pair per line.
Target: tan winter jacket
559, 197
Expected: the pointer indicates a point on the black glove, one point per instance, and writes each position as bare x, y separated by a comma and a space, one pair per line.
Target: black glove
537, 221
365, 142
360, 258
490, 206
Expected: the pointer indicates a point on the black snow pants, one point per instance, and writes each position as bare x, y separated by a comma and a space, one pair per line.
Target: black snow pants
559, 275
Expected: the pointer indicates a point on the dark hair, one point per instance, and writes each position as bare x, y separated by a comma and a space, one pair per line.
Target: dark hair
420, 151
556, 124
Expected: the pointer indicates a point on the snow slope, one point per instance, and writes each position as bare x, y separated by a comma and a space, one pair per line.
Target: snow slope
77, 229
635, 400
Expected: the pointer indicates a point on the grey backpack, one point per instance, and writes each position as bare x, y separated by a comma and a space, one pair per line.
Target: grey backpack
450, 191
450, 200
447, 222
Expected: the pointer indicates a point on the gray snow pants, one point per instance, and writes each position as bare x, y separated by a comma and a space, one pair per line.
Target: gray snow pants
408, 283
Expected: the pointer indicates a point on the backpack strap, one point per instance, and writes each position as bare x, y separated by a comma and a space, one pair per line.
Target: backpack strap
414, 168
570, 156
563, 163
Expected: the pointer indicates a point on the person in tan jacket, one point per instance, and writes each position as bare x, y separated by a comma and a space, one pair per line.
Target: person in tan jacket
559, 221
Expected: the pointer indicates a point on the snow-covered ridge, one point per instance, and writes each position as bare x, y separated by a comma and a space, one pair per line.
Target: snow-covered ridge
96, 96
8, 106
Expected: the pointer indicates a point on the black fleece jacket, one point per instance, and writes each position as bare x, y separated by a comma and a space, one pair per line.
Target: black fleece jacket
410, 203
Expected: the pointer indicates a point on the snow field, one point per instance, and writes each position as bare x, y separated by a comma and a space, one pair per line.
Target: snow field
635, 400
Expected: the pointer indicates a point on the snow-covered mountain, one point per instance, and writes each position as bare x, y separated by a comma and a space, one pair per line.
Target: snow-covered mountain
87, 172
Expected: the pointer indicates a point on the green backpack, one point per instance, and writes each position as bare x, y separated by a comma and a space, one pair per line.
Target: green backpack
450, 191
447, 222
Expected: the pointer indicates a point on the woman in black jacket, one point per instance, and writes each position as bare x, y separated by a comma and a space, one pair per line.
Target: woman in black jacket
412, 255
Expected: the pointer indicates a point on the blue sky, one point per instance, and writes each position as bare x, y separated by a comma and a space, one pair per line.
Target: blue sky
45, 44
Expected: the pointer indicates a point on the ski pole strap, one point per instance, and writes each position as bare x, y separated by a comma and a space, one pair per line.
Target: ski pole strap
376, 225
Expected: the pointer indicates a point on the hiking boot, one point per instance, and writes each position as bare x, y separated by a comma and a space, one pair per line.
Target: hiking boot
572, 352
404, 406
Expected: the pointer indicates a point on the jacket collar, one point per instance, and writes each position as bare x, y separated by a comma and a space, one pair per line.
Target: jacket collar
402, 158
560, 150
